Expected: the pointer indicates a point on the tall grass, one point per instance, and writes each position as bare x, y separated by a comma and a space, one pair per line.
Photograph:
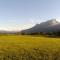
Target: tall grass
32, 54
18, 47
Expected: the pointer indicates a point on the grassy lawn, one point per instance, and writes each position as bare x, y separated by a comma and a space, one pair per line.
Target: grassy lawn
24, 47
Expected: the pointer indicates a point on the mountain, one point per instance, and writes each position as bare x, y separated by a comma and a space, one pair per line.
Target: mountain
49, 26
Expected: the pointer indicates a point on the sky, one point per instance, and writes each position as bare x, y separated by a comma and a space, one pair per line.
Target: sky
21, 14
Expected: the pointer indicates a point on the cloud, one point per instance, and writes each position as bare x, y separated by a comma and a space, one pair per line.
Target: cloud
58, 20
17, 27
35, 20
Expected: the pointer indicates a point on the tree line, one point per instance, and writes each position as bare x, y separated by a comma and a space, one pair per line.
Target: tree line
43, 33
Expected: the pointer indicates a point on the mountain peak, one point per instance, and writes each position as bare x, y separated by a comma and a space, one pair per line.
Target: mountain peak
52, 22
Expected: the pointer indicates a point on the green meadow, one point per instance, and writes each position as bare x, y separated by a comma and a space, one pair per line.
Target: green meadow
28, 47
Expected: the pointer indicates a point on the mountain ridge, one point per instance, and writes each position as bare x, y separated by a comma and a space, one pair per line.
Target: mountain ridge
51, 25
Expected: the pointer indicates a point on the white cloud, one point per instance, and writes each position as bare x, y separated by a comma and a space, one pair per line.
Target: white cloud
58, 20
35, 20
16, 28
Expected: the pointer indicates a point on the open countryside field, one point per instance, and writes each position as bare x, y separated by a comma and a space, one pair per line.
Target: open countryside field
26, 47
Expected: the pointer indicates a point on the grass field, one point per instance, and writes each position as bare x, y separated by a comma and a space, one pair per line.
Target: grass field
25, 47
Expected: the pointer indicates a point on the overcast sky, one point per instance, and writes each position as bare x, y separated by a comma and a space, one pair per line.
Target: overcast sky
19, 14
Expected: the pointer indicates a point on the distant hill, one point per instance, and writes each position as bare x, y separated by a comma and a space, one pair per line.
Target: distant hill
49, 26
